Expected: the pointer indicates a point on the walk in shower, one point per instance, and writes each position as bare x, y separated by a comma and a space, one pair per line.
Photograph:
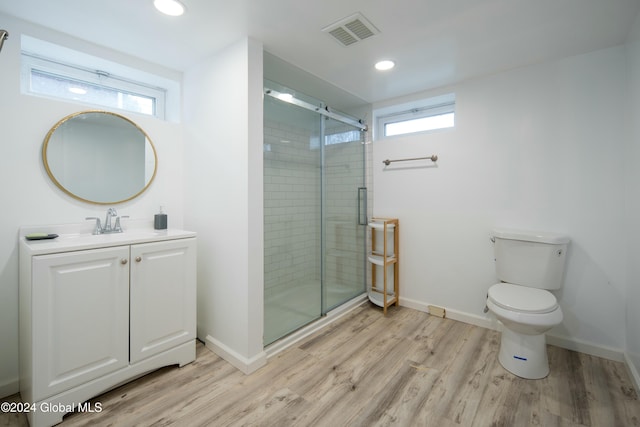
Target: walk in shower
314, 210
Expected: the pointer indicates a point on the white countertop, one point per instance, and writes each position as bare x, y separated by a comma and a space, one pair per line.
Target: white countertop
75, 237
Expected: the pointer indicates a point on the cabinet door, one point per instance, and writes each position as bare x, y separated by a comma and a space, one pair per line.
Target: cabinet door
80, 317
163, 296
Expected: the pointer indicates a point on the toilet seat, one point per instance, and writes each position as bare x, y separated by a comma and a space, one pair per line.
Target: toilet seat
522, 299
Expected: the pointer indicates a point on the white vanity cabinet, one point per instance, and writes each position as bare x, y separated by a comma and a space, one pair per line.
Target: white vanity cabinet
80, 310
96, 312
163, 297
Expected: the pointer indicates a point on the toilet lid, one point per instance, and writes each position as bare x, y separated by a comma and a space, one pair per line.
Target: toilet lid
523, 299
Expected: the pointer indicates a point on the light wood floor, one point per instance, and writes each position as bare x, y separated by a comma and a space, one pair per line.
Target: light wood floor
405, 369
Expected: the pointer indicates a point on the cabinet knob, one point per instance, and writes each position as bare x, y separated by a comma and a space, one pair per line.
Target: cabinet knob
138, 259
123, 261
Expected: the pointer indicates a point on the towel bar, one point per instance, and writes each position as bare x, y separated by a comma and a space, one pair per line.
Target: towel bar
433, 158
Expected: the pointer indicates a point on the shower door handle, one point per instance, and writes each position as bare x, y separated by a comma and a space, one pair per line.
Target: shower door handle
362, 205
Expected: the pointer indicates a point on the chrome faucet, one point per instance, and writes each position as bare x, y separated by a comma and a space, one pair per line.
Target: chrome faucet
111, 213
107, 228
98, 228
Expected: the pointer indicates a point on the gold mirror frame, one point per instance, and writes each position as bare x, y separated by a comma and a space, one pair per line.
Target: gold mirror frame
85, 198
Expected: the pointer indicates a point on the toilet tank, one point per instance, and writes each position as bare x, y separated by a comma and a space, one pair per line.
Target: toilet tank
530, 258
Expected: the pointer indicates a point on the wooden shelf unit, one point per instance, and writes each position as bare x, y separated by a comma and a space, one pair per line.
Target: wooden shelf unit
383, 259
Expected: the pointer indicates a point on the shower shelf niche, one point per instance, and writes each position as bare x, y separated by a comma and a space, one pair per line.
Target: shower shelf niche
384, 290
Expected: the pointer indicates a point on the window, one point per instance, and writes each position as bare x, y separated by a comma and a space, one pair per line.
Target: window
342, 137
63, 81
425, 115
339, 137
57, 72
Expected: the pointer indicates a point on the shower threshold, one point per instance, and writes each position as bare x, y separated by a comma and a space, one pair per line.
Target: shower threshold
324, 321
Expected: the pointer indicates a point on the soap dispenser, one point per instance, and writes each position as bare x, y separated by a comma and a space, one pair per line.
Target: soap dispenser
160, 220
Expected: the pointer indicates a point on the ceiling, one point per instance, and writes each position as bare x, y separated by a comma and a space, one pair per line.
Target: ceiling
433, 42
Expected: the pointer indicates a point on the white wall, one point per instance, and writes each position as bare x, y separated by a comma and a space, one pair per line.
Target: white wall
540, 147
632, 155
26, 193
223, 123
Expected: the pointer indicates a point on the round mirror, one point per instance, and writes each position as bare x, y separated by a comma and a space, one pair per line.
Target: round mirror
99, 157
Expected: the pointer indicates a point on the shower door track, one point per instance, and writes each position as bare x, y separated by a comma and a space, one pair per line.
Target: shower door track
320, 109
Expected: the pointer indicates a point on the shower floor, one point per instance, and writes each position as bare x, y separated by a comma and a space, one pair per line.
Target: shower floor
287, 311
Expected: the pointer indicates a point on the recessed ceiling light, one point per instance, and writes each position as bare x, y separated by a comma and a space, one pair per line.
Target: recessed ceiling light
384, 65
169, 7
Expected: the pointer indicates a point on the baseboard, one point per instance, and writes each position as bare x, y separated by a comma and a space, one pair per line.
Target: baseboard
416, 305
492, 323
246, 365
10, 387
633, 372
586, 347
452, 314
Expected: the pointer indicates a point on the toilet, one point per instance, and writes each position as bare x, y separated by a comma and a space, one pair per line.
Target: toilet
528, 265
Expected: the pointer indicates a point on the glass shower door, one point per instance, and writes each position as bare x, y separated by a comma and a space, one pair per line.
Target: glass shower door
343, 213
292, 212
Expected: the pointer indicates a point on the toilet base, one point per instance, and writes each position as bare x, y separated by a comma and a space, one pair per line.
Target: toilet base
524, 355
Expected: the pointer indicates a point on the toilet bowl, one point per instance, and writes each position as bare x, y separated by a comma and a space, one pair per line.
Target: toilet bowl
528, 265
526, 314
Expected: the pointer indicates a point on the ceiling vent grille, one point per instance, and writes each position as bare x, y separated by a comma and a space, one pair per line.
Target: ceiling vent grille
351, 29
